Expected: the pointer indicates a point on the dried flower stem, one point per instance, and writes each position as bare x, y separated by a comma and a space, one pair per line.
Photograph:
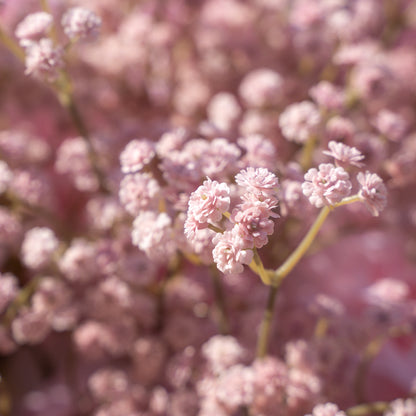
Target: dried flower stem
278, 276
11, 45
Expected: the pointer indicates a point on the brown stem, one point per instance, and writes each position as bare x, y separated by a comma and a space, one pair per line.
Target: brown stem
263, 339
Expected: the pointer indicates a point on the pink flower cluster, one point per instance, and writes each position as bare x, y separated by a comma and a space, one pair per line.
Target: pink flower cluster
250, 221
140, 146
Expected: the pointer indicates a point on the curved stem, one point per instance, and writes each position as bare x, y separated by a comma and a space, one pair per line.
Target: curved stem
302, 248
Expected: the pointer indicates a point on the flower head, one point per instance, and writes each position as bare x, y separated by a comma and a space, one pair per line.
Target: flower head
136, 155
231, 252
33, 27
259, 182
209, 202
299, 121
343, 154
373, 192
80, 23
326, 186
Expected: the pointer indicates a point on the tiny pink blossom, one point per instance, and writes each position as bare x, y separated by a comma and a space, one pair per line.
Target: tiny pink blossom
138, 192
136, 155
402, 407
327, 95
326, 186
327, 409
209, 202
38, 247
390, 124
261, 87
339, 128
43, 60
299, 121
152, 233
343, 154
80, 23
6, 176
253, 223
373, 192
231, 252
259, 182
33, 27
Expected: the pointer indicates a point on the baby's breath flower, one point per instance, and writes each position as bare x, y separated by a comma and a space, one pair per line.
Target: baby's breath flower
373, 192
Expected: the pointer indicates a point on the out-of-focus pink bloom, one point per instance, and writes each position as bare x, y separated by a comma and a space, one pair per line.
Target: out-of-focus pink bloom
235, 387
139, 191
224, 111
43, 59
261, 88
231, 252
5, 176
33, 27
260, 152
326, 186
136, 155
152, 233
391, 125
222, 352
399, 407
8, 289
30, 327
328, 96
299, 121
38, 247
344, 155
108, 384
327, 409
373, 192
80, 23
340, 128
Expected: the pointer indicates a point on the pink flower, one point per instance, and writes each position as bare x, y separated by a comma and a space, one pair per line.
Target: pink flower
136, 155
33, 27
339, 128
223, 111
230, 252
390, 124
43, 60
261, 87
253, 223
6, 176
299, 121
343, 154
373, 192
38, 247
327, 95
402, 407
9, 287
80, 23
327, 409
209, 202
259, 182
326, 186
152, 233
139, 191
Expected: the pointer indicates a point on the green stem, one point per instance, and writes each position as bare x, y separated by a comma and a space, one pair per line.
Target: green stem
302, 248
257, 266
